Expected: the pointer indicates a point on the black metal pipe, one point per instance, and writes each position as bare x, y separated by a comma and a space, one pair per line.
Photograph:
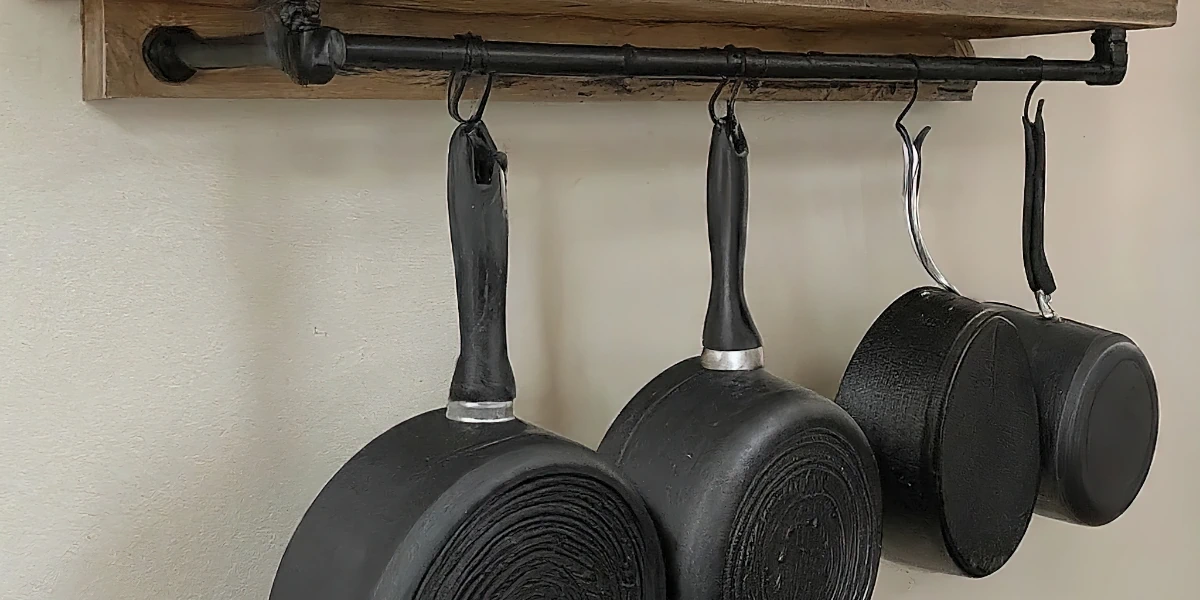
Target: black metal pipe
518, 58
228, 53
174, 54
356, 52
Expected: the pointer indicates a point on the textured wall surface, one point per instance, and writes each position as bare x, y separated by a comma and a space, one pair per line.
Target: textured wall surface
207, 306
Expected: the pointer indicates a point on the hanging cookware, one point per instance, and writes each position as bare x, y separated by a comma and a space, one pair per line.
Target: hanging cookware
942, 388
467, 502
760, 488
1099, 402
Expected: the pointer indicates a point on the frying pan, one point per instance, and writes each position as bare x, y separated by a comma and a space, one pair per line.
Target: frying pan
467, 502
941, 386
1099, 401
760, 488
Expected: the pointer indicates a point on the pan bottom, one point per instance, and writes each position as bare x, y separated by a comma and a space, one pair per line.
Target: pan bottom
942, 387
987, 459
1104, 451
560, 535
434, 509
760, 488
805, 527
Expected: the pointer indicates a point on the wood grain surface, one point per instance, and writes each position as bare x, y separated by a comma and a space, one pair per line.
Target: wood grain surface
961, 19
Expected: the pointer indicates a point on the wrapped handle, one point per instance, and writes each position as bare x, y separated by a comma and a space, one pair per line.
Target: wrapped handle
1033, 231
483, 386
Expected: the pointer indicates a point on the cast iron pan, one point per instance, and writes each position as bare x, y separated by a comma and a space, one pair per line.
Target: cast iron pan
468, 503
1099, 402
942, 388
759, 487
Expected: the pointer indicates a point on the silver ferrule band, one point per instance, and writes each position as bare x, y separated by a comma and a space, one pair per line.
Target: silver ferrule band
1044, 308
479, 412
732, 360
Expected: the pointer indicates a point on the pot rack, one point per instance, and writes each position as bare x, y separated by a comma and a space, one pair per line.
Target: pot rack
576, 50
316, 55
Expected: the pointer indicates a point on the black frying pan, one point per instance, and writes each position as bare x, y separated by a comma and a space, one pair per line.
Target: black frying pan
1099, 401
942, 388
760, 488
468, 503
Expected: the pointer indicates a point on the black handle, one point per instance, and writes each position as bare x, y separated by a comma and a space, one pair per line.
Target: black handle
728, 325
479, 241
1033, 231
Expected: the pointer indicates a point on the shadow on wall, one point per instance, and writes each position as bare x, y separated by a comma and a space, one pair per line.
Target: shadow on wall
316, 243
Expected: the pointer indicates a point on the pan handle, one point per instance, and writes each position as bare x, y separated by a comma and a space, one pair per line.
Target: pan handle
1033, 229
911, 190
731, 341
483, 387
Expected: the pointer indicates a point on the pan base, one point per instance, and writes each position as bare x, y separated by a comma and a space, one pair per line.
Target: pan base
440, 510
760, 488
942, 387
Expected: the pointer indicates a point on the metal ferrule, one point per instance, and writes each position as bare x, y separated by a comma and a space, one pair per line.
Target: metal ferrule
1044, 308
732, 360
479, 412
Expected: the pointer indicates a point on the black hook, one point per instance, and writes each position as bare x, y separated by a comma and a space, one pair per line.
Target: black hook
911, 102
1034, 87
474, 61
731, 104
712, 100
455, 86
916, 91
733, 96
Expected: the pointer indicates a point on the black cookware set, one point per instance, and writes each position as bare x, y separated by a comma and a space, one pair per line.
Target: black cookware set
955, 420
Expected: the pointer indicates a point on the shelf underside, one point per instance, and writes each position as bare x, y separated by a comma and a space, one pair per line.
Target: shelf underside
114, 30
959, 19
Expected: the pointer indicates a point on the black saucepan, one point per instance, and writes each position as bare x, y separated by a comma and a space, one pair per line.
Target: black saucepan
468, 503
942, 388
760, 488
1099, 401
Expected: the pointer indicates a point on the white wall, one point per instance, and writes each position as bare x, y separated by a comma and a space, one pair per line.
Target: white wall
206, 307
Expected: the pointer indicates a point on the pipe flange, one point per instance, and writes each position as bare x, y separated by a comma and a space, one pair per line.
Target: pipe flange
158, 52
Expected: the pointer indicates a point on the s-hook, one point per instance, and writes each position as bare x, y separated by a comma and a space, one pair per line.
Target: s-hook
1033, 230
456, 85
731, 103
911, 186
474, 61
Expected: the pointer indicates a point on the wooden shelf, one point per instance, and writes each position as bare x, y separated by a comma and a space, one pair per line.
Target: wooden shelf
114, 30
959, 19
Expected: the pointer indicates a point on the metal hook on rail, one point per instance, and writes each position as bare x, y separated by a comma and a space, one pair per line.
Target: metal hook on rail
731, 103
475, 62
456, 85
1033, 88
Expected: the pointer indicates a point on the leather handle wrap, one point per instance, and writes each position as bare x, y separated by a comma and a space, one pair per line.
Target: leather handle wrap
728, 325
479, 243
1033, 231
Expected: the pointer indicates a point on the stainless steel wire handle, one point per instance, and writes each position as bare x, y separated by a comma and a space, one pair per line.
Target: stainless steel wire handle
911, 189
